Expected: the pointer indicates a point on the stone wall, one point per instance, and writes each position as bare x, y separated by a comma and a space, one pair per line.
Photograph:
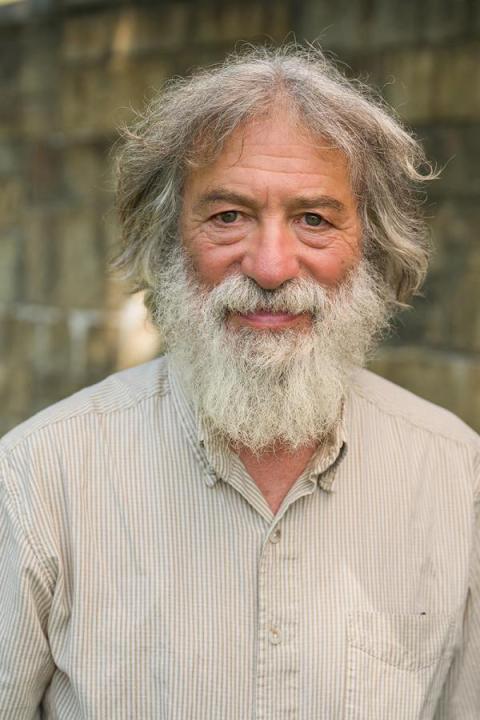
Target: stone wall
72, 72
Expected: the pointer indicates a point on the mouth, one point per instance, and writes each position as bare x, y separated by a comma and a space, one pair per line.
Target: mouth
268, 320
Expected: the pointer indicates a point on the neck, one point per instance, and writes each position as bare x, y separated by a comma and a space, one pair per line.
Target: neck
276, 470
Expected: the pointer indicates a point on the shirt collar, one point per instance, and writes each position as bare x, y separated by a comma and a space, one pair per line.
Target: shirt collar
328, 456
210, 448
216, 456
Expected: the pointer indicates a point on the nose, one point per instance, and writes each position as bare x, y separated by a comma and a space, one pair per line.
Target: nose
271, 257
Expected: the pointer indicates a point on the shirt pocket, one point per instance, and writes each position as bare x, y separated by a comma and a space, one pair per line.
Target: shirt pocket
396, 664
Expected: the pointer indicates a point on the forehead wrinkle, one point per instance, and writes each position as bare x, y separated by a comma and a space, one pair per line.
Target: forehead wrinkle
242, 146
284, 151
280, 171
242, 142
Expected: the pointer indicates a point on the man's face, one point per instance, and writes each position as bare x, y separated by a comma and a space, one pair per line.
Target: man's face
267, 305
274, 207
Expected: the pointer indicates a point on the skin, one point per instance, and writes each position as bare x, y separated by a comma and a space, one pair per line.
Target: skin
275, 205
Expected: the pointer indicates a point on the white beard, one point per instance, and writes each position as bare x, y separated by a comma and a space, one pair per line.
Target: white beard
263, 388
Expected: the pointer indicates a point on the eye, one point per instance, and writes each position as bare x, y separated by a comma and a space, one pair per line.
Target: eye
313, 220
228, 217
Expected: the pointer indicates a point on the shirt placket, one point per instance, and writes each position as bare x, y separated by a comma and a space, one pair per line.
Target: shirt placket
277, 671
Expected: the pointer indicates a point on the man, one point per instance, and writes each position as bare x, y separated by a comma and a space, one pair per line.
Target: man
251, 526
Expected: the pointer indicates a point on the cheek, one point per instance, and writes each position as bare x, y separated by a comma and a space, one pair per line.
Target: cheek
331, 268
213, 263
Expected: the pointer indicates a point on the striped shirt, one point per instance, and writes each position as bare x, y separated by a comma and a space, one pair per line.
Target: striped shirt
144, 577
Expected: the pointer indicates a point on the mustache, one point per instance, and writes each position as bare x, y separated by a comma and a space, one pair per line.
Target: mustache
241, 294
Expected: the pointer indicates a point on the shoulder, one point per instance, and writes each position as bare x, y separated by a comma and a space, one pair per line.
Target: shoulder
118, 393
51, 464
384, 398
415, 432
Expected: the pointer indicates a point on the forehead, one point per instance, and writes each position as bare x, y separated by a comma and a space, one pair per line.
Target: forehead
276, 150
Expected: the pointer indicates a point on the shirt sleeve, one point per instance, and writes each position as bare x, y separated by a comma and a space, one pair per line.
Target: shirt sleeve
26, 665
460, 699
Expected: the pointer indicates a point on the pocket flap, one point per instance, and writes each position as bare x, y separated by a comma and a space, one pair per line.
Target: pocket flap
408, 642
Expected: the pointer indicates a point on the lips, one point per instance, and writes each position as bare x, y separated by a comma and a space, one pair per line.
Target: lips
269, 319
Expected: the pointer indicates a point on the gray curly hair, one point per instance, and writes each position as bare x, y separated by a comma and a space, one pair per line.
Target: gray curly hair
188, 123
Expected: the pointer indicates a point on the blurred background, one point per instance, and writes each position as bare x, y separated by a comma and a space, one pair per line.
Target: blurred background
72, 71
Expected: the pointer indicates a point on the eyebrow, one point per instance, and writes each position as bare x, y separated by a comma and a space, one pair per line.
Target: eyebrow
316, 201
296, 203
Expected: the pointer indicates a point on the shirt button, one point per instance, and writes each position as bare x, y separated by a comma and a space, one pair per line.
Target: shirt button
276, 535
274, 635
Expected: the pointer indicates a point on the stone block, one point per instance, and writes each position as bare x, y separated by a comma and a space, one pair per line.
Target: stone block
86, 174
97, 100
11, 158
425, 84
9, 249
44, 173
113, 34
150, 28
39, 70
343, 25
39, 256
87, 37
80, 280
447, 316
9, 265
453, 290
135, 82
473, 19
435, 21
456, 92
10, 113
229, 22
63, 260
278, 21
197, 56
39, 80
456, 149
38, 118
10, 57
409, 79
11, 201
51, 352
16, 389
89, 105
440, 21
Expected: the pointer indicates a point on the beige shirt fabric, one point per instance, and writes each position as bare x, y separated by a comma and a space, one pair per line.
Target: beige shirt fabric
143, 576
